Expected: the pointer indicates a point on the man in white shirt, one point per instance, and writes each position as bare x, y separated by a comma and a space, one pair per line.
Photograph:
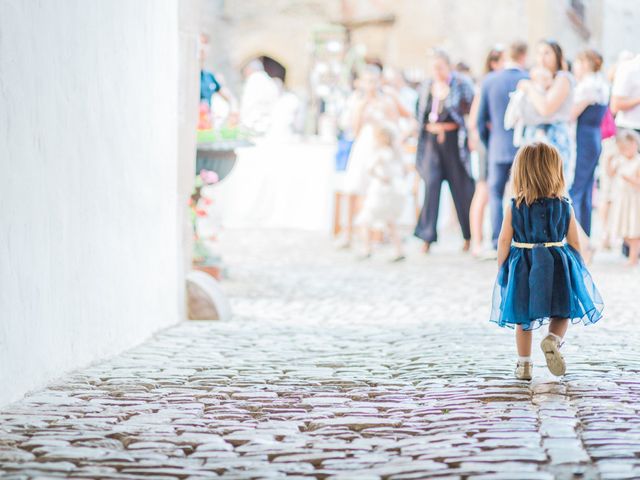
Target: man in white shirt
625, 94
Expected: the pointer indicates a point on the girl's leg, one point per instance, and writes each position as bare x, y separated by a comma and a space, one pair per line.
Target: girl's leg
558, 326
524, 367
523, 341
634, 250
368, 240
351, 215
478, 204
395, 238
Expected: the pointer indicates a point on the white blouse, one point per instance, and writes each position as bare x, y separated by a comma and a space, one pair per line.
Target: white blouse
593, 88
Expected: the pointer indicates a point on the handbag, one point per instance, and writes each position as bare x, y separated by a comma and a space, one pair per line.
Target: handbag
608, 125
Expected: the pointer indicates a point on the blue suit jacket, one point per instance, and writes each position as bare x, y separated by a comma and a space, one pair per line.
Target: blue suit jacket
494, 99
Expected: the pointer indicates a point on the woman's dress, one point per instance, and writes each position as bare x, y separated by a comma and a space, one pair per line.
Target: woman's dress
363, 150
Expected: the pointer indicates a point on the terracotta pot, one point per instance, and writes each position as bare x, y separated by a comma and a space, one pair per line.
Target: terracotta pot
213, 270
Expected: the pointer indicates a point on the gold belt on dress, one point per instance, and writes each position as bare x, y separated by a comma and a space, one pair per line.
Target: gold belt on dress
532, 245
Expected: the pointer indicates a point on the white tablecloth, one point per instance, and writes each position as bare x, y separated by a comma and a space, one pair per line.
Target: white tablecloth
278, 185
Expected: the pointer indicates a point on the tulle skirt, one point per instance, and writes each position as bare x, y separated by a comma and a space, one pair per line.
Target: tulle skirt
536, 285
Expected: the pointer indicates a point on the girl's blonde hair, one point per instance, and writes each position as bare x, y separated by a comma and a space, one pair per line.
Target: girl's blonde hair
625, 135
537, 173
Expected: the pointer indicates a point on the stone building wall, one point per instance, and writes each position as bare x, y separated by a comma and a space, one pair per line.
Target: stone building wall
621, 22
466, 28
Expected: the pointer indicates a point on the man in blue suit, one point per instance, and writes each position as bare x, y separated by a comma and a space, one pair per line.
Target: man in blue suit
494, 98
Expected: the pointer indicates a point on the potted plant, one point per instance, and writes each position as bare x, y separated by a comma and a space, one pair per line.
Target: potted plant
204, 258
217, 144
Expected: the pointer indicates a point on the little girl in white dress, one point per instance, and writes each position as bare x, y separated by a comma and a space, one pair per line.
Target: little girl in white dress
625, 214
384, 198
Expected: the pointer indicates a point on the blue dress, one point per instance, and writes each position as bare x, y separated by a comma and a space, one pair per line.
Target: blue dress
535, 285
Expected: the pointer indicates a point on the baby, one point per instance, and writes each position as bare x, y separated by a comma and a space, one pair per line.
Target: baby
520, 111
541, 77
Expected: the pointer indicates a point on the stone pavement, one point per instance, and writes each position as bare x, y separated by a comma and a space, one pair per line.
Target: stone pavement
335, 368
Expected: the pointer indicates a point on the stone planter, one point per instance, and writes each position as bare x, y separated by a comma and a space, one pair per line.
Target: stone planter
219, 157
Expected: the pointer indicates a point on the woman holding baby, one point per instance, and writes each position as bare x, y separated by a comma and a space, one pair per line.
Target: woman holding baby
550, 92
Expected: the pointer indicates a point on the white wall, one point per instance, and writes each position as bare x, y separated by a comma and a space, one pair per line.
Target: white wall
90, 253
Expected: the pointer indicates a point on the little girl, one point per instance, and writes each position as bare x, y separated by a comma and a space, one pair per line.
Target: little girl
542, 277
625, 214
384, 199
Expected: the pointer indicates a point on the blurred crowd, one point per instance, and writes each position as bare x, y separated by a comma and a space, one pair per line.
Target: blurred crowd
265, 105
466, 131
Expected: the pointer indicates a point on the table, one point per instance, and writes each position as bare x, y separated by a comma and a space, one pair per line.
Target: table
278, 185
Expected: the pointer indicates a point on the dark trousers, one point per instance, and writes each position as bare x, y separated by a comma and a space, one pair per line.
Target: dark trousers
497, 182
444, 164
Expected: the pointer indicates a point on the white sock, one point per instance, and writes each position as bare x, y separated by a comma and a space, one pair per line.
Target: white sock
524, 359
557, 337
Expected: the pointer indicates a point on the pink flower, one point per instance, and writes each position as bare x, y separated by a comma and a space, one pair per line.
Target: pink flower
209, 176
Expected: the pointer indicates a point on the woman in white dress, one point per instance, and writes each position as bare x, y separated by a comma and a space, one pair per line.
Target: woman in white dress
372, 106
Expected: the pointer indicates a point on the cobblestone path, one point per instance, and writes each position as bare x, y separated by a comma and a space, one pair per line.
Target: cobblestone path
340, 369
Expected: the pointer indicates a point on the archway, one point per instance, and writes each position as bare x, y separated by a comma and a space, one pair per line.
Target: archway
273, 67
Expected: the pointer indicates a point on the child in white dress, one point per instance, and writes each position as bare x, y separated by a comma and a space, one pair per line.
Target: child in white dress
625, 214
384, 199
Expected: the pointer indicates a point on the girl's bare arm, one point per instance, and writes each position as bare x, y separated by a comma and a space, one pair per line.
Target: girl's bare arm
506, 235
573, 237
578, 108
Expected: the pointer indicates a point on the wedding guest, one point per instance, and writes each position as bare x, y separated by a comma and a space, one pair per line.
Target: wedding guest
625, 94
384, 198
494, 98
625, 212
493, 62
210, 85
590, 104
259, 96
442, 152
521, 112
609, 155
555, 104
369, 107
